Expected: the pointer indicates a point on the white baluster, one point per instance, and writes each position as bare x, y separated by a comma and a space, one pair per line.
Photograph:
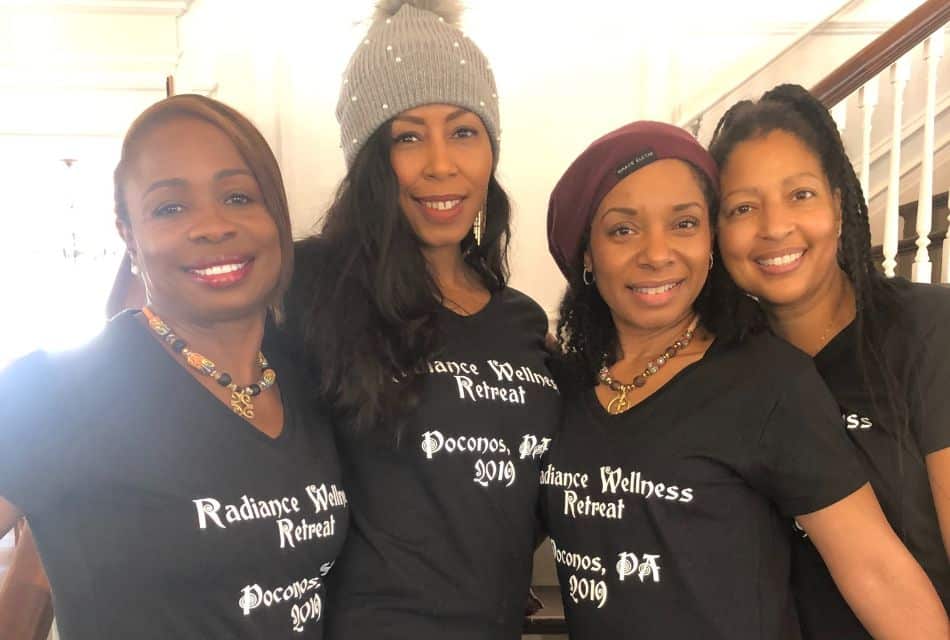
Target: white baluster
867, 101
900, 72
839, 113
923, 269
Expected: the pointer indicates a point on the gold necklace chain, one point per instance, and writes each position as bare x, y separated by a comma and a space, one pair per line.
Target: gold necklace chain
825, 335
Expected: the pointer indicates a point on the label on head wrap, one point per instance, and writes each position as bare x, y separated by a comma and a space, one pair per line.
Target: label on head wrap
643, 158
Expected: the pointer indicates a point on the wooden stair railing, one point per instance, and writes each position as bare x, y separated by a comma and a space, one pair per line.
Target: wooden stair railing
29, 593
862, 74
907, 246
886, 49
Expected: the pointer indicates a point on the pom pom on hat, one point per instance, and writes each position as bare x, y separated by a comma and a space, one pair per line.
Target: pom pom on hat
449, 10
414, 54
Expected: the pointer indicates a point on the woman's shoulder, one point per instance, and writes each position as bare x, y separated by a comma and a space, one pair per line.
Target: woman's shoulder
764, 363
310, 254
309, 247
512, 308
927, 303
514, 300
41, 381
913, 312
25, 377
764, 349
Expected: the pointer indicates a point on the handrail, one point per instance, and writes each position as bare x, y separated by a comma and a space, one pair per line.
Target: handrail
883, 52
844, 6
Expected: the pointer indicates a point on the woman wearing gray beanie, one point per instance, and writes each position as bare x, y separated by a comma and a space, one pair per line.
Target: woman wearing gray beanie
433, 368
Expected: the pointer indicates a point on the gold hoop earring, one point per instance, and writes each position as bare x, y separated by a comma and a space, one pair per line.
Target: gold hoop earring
710, 261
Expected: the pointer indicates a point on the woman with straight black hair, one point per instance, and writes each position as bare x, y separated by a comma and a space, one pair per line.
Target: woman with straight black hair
794, 233
434, 368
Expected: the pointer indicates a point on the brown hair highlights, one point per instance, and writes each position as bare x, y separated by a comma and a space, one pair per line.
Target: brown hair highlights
250, 144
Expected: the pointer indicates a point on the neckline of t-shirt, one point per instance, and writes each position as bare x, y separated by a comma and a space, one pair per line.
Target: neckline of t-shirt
599, 412
838, 342
141, 333
493, 297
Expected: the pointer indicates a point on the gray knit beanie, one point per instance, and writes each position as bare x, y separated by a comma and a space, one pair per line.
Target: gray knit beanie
414, 54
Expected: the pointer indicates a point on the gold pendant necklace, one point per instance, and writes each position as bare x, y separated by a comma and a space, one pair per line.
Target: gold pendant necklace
241, 397
241, 404
619, 403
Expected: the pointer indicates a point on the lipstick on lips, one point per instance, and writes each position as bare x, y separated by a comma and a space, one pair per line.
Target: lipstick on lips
440, 208
221, 272
781, 261
655, 293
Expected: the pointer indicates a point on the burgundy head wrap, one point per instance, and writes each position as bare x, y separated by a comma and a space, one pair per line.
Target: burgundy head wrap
601, 166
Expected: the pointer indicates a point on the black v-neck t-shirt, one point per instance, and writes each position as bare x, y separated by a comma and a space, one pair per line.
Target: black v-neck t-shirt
445, 511
918, 348
671, 521
157, 511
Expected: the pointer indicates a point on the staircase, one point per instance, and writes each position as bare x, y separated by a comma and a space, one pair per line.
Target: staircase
907, 245
891, 100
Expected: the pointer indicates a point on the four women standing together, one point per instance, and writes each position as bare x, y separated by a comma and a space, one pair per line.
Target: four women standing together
692, 467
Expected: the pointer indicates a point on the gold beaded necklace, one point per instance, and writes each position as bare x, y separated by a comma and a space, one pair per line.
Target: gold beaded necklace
241, 397
619, 403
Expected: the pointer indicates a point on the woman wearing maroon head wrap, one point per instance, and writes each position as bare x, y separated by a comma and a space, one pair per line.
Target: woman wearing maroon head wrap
690, 437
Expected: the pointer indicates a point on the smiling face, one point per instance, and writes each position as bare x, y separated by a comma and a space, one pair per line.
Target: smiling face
442, 158
197, 228
779, 220
650, 241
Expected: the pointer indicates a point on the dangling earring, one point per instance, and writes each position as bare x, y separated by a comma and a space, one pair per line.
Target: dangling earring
588, 280
477, 228
133, 268
710, 261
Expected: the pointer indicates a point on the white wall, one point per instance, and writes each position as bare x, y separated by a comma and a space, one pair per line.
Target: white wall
563, 80
567, 73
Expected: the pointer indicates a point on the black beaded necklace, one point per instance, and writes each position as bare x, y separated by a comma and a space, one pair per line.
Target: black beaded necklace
241, 397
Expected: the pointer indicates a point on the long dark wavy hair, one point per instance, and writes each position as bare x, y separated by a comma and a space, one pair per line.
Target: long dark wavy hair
792, 109
586, 333
363, 302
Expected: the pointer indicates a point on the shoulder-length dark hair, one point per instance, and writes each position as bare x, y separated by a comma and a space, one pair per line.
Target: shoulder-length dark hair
792, 109
364, 304
251, 146
587, 335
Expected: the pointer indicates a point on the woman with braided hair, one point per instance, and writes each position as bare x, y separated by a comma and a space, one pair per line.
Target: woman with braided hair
793, 232
691, 436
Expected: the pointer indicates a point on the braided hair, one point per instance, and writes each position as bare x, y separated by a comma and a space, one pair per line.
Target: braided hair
792, 109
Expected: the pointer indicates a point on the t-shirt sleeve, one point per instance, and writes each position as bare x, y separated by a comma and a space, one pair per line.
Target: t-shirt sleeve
931, 380
802, 459
33, 450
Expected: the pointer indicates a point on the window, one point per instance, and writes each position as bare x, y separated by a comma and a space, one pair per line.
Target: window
59, 250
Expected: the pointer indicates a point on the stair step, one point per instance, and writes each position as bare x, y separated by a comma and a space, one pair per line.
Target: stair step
909, 213
907, 246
